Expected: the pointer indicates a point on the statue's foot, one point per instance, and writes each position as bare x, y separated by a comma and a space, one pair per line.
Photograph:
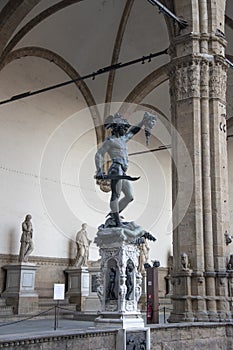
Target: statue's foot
120, 224
111, 215
116, 218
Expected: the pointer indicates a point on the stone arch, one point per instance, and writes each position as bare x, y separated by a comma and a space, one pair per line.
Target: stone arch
116, 52
11, 16
71, 72
45, 14
144, 87
34, 22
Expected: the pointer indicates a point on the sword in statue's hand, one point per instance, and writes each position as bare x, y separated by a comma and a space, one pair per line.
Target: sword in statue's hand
115, 177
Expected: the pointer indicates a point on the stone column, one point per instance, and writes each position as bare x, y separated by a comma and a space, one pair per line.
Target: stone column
197, 88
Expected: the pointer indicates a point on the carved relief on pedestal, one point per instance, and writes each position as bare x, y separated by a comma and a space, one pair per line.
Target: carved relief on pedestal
122, 291
132, 254
99, 286
107, 254
120, 279
138, 288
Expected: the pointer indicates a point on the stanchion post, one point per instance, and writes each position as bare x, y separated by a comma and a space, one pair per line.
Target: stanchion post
57, 312
58, 294
55, 317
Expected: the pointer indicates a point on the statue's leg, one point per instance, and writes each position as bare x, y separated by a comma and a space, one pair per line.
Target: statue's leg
116, 186
127, 189
25, 258
80, 257
29, 249
22, 251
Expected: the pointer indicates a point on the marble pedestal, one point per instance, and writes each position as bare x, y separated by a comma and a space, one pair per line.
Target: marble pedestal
119, 286
78, 286
20, 287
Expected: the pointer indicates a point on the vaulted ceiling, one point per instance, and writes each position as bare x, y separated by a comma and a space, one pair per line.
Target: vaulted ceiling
56, 40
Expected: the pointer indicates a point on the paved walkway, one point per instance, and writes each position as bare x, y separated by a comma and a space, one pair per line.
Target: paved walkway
16, 329
10, 330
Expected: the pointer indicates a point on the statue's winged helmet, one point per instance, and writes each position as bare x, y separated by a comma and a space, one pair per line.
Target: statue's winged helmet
116, 120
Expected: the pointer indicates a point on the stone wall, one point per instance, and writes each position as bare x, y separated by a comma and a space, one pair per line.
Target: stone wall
98, 340
192, 337
168, 337
51, 270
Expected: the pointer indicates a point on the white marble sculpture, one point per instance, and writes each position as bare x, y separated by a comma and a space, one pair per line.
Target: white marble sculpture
82, 244
26, 243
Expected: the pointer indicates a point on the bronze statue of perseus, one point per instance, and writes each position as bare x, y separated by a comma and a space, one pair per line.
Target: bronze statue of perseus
116, 147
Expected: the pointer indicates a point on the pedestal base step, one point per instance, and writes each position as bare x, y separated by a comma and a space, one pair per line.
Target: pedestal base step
120, 320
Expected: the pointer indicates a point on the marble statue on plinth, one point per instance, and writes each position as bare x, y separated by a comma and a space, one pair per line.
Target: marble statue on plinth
82, 244
26, 243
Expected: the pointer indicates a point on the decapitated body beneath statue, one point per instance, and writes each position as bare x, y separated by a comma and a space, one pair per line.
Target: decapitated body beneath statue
129, 232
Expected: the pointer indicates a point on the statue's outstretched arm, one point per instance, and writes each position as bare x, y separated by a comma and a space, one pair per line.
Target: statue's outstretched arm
133, 130
148, 121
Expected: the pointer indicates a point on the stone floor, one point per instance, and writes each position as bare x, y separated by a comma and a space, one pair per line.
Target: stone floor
11, 330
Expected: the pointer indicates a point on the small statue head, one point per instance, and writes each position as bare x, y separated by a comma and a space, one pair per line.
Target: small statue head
228, 238
28, 217
84, 226
156, 263
149, 120
184, 260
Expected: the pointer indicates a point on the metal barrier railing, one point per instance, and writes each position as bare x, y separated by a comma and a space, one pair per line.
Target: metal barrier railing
57, 308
